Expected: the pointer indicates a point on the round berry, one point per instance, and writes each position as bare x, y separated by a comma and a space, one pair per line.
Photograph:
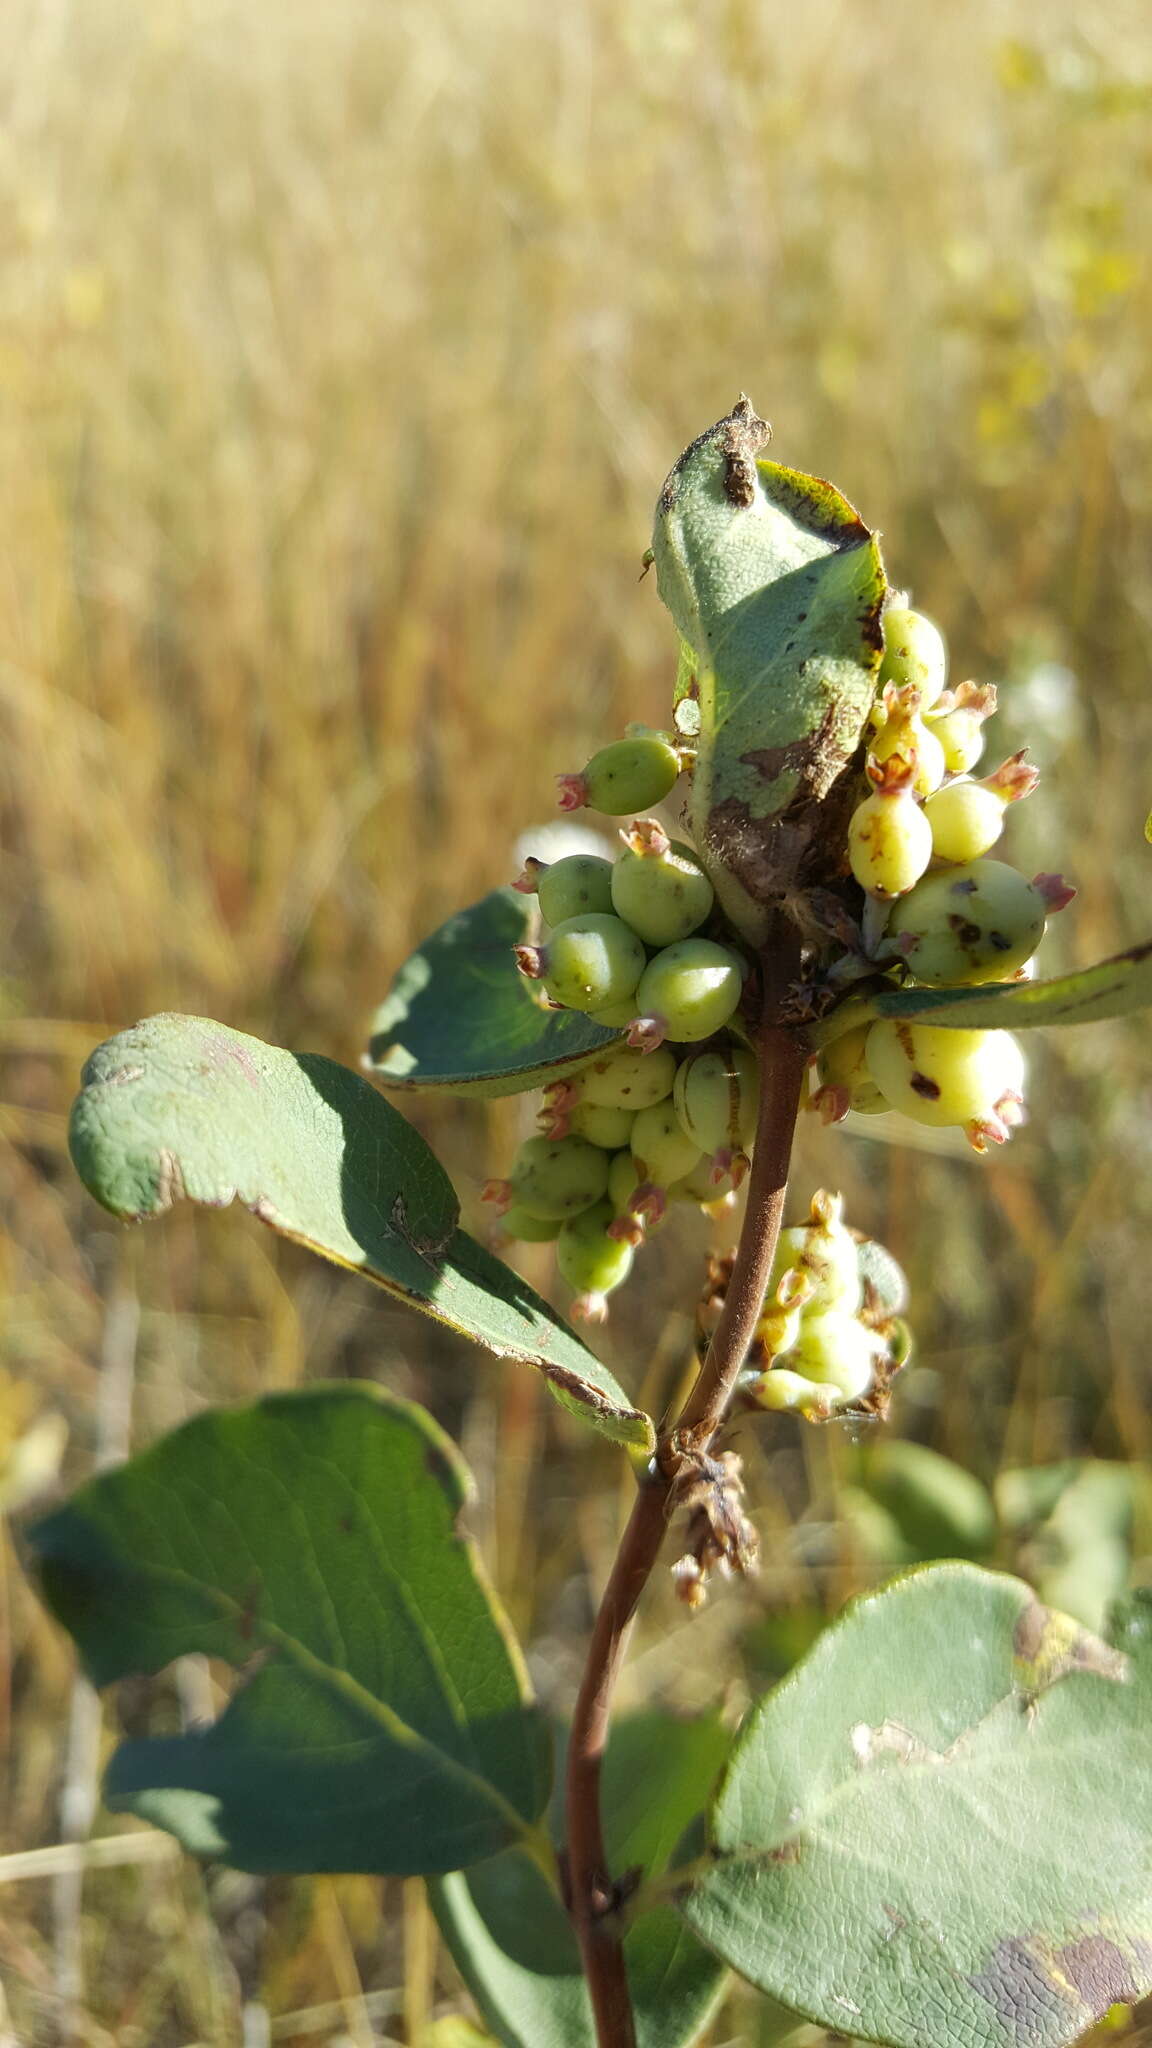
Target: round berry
592, 1262
573, 887
914, 652
974, 923
659, 1146
592, 960
630, 775
941, 1076
961, 735
624, 1078
717, 1095
836, 1350
689, 991
844, 1080
611, 1129
823, 1253
889, 842
781, 1390
966, 820
614, 1016
519, 1223
558, 1177
659, 887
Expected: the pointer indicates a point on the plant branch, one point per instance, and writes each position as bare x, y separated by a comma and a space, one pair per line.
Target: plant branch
593, 1899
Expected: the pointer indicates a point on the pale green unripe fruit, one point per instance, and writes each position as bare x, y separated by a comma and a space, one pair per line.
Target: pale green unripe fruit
519, 1223
966, 820
940, 1076
914, 652
626, 1079
590, 1261
558, 1177
704, 1185
717, 1095
836, 1350
692, 988
664, 896
662, 1152
824, 1253
613, 1016
592, 960
781, 1391
573, 887
917, 743
974, 923
630, 775
889, 843
845, 1082
611, 1129
961, 734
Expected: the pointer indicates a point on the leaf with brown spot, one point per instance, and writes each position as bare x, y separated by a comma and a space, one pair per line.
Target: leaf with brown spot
776, 588
969, 1778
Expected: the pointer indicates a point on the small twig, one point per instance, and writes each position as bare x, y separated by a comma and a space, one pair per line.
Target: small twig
593, 1900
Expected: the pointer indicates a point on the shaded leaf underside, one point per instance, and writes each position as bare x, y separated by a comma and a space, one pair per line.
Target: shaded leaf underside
461, 1018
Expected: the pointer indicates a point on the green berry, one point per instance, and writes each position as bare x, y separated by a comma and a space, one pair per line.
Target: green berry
558, 1177
630, 775
836, 1350
624, 1078
614, 1016
573, 887
844, 1080
611, 1129
823, 1253
659, 887
592, 1262
590, 961
717, 1095
961, 735
659, 1146
966, 820
914, 652
780, 1390
519, 1223
939, 1076
687, 992
974, 923
889, 841
707, 1184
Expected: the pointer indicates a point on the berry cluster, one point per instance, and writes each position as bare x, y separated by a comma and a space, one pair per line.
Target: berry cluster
830, 1334
661, 1117
632, 1132
939, 912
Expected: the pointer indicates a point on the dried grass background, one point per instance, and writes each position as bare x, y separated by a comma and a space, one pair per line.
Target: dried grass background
343, 349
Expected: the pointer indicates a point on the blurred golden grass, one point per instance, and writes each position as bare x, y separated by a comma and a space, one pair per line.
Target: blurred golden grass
342, 352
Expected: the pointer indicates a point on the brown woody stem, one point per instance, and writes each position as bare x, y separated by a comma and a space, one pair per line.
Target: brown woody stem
593, 1900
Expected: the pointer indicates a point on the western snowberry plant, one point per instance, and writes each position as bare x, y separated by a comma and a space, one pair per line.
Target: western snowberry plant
938, 1827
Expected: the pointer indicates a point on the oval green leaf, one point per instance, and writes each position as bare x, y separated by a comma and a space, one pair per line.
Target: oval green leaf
1089, 995
938, 1828
776, 587
461, 1018
511, 1939
182, 1107
382, 1720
